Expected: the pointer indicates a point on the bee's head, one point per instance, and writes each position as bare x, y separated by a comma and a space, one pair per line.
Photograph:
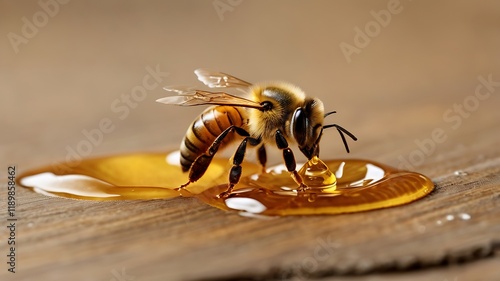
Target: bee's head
307, 126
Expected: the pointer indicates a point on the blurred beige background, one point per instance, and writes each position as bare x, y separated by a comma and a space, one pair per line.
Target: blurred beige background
64, 68
66, 78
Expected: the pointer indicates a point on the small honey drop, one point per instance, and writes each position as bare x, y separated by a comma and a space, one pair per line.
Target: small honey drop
460, 173
317, 175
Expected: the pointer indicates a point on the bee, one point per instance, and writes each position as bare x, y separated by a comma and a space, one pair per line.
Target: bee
276, 113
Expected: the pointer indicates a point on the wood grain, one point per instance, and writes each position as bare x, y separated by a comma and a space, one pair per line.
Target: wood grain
407, 83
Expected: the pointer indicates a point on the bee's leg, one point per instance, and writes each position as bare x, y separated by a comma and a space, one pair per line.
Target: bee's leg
262, 156
290, 163
235, 173
200, 165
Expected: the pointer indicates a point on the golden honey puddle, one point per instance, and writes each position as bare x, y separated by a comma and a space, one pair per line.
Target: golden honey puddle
334, 186
361, 185
123, 177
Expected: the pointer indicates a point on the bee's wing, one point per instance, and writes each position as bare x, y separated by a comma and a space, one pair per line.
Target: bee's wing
199, 97
214, 79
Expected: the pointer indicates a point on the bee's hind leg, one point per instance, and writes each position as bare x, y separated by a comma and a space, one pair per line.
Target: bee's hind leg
200, 165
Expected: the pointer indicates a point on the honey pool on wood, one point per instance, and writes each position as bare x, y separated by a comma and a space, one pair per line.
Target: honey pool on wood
361, 185
123, 177
334, 186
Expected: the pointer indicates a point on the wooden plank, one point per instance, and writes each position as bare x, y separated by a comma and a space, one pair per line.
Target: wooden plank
393, 95
458, 222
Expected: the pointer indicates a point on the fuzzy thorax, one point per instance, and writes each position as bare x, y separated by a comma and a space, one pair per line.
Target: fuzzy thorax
285, 98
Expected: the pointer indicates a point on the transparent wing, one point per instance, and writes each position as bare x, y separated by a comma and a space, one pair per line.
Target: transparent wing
180, 89
214, 79
187, 97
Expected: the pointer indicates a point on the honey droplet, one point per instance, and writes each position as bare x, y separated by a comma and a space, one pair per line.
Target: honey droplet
317, 175
361, 185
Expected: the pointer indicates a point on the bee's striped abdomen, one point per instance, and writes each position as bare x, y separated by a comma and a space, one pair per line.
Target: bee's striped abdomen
205, 129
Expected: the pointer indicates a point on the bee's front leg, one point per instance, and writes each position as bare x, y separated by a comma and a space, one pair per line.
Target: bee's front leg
289, 158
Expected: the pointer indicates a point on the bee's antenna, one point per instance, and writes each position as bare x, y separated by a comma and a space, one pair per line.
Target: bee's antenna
342, 131
330, 113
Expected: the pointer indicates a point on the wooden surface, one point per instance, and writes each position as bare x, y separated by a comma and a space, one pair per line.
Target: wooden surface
404, 86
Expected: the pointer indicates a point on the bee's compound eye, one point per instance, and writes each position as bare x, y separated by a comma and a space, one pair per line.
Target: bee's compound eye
267, 105
299, 126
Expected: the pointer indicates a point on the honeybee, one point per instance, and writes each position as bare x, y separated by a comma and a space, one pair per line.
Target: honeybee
277, 113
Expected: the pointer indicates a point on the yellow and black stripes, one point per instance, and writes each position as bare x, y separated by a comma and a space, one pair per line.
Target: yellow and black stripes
206, 128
